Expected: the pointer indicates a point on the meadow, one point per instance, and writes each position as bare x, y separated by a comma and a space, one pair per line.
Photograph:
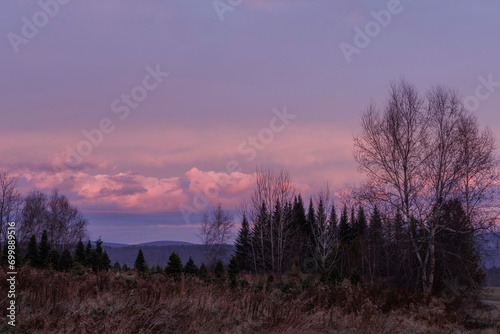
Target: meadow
125, 302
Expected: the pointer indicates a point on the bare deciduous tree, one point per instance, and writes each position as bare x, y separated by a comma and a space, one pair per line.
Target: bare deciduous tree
65, 224
420, 153
273, 190
10, 202
215, 231
33, 216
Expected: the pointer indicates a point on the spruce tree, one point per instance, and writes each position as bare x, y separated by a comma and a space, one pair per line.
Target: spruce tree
353, 223
243, 246
125, 267
80, 253
140, 262
97, 256
66, 261
311, 217
344, 228
232, 271
116, 267
54, 259
44, 251
88, 254
203, 272
191, 268
376, 242
219, 270
332, 223
105, 261
361, 224
32, 255
301, 232
174, 267
260, 238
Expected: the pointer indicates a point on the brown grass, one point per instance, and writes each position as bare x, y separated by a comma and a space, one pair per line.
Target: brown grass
54, 302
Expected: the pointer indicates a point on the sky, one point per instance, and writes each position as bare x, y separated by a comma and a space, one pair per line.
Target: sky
147, 113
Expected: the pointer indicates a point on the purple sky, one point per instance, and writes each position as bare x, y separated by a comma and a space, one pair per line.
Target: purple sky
225, 79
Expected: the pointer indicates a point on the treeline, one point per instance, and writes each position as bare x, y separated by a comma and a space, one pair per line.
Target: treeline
37, 212
42, 255
355, 242
217, 273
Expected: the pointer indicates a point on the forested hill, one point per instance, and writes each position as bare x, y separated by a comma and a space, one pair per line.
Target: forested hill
158, 255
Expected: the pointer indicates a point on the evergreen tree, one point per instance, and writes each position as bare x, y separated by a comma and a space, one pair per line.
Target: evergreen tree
125, 267
376, 243
54, 259
344, 228
116, 267
203, 273
301, 235
191, 268
219, 270
32, 256
332, 222
233, 270
321, 217
44, 251
80, 253
97, 259
140, 262
106, 262
174, 266
243, 246
311, 217
261, 240
88, 254
361, 224
353, 224
66, 261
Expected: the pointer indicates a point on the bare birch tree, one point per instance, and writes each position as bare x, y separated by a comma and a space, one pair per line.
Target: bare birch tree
215, 231
418, 154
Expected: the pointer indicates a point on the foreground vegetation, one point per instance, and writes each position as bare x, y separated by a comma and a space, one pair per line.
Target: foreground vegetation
125, 302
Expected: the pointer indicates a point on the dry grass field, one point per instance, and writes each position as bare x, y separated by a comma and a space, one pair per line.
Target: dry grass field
54, 302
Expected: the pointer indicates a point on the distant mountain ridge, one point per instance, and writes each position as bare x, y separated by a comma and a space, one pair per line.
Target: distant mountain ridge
157, 254
164, 243
152, 243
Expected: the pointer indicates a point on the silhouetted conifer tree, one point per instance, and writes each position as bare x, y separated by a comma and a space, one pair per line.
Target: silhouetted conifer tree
88, 254
66, 261
140, 262
117, 267
44, 251
54, 259
80, 253
243, 246
191, 268
174, 266
32, 255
